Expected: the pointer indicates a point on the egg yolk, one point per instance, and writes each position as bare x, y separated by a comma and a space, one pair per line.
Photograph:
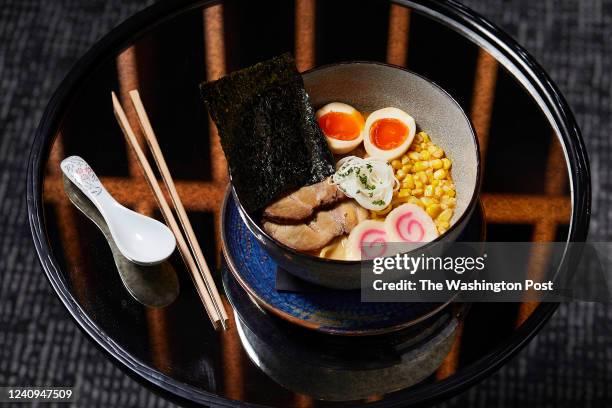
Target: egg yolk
388, 133
341, 125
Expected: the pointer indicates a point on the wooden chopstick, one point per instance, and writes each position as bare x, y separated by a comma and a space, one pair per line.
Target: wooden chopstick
167, 213
158, 156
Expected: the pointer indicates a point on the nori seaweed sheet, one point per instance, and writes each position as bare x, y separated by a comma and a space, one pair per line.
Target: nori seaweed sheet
268, 131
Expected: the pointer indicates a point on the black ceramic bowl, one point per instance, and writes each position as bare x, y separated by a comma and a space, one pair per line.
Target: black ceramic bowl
369, 86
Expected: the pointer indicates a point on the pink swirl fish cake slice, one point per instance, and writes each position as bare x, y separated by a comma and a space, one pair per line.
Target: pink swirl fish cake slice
410, 223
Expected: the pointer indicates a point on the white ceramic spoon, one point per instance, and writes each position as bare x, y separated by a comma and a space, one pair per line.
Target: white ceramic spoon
140, 239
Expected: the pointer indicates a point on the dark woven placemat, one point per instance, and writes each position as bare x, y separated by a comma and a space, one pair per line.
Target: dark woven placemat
568, 363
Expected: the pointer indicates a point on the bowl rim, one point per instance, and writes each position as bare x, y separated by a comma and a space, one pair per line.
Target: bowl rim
469, 24
258, 231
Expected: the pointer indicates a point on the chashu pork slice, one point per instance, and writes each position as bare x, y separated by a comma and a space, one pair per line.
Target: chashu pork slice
326, 225
301, 204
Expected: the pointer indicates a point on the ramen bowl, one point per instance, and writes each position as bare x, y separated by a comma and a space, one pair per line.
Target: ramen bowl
370, 86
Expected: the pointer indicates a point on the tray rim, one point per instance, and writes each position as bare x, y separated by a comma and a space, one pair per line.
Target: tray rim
450, 13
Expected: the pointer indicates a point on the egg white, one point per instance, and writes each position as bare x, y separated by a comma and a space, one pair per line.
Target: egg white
338, 146
388, 113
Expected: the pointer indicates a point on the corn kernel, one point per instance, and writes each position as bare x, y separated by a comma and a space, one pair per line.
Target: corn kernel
418, 137
433, 210
406, 167
446, 163
405, 159
414, 200
400, 174
445, 215
436, 164
408, 181
441, 230
438, 191
421, 165
417, 192
452, 202
451, 192
425, 137
439, 174
416, 147
418, 183
421, 176
404, 192
438, 153
396, 164
425, 154
416, 156
427, 201
442, 224
429, 191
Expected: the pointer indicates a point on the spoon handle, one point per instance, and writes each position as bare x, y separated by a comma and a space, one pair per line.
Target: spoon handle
82, 175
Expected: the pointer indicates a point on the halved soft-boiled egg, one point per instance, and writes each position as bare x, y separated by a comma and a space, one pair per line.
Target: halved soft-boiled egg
342, 126
388, 133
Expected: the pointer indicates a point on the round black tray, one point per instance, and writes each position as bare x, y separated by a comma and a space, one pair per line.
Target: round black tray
518, 64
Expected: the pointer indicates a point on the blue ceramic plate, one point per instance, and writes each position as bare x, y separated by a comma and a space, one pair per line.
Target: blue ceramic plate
330, 311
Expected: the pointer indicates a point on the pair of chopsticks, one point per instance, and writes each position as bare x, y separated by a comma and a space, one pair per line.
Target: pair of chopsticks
200, 273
